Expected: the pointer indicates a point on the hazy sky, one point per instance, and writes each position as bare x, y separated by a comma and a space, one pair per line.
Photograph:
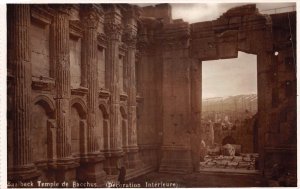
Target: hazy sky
203, 12
231, 76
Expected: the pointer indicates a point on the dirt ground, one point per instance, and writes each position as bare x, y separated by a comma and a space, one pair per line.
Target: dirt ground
156, 179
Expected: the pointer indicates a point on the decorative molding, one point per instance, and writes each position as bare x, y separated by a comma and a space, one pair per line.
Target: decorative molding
43, 83
81, 91
123, 97
76, 28
123, 49
102, 40
42, 13
103, 93
139, 99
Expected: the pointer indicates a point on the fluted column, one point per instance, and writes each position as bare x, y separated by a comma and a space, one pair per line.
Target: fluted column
61, 58
19, 61
132, 140
90, 20
130, 38
113, 31
91, 167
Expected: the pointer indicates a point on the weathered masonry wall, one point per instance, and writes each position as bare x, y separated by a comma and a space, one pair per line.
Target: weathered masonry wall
183, 47
93, 85
72, 96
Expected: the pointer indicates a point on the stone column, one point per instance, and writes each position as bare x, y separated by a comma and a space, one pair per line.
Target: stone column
196, 103
130, 35
92, 167
264, 97
60, 49
62, 61
90, 20
113, 30
20, 61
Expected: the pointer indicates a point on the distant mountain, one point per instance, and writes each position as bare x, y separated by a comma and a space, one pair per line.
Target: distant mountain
231, 103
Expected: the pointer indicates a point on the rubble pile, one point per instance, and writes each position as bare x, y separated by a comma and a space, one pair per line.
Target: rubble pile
244, 161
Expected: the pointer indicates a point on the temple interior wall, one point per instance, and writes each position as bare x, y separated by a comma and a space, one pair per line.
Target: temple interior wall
165, 92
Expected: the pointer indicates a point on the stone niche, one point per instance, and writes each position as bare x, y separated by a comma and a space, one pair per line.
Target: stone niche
39, 43
75, 61
101, 66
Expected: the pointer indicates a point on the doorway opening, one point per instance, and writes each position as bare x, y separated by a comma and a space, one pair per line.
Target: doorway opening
229, 113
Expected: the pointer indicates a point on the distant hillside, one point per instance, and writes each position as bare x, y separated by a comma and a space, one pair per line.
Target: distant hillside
239, 103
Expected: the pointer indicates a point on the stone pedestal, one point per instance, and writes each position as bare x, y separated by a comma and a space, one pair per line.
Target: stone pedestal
176, 159
91, 170
113, 159
63, 170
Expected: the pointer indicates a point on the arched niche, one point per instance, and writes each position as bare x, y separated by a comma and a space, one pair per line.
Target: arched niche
42, 120
78, 126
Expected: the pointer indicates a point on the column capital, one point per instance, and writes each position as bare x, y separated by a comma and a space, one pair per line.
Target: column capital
113, 22
113, 30
91, 15
132, 12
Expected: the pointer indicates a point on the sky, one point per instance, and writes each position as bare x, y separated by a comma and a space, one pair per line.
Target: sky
228, 77
204, 12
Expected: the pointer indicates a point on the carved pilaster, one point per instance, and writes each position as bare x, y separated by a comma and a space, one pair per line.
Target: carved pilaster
90, 19
130, 38
19, 61
92, 168
60, 51
113, 30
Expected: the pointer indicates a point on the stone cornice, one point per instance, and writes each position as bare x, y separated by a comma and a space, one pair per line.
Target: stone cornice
103, 93
62, 8
42, 13
76, 28
43, 83
81, 91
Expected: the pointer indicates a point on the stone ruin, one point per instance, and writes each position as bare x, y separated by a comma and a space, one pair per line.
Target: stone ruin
90, 85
